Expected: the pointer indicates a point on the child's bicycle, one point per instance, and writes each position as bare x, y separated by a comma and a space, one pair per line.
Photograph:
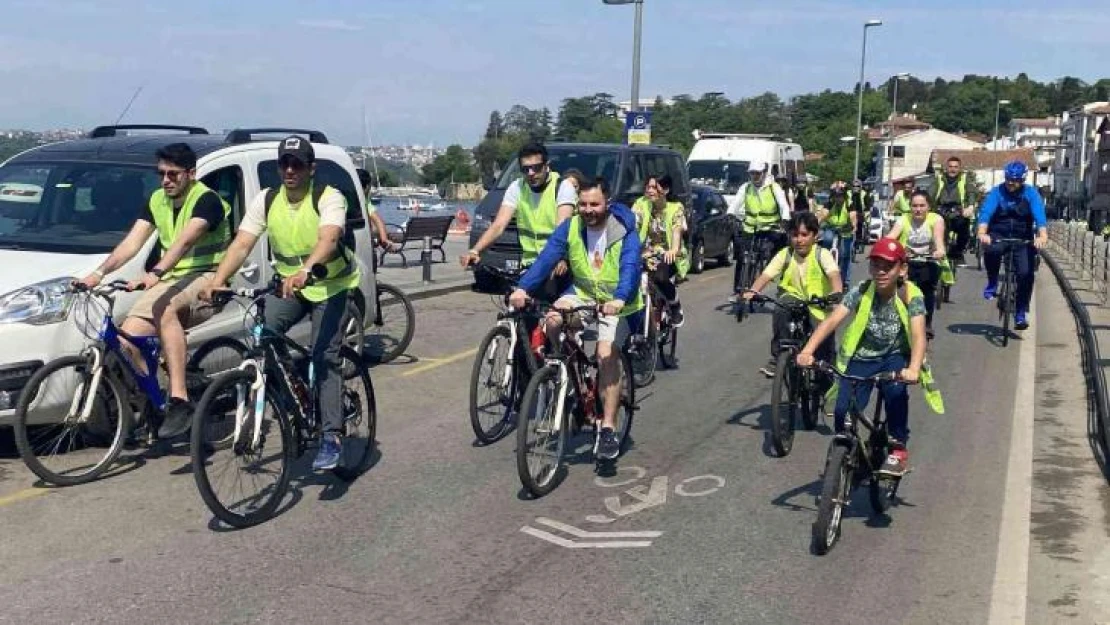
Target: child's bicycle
75, 413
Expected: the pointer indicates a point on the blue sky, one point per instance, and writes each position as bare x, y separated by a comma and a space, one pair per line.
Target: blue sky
432, 70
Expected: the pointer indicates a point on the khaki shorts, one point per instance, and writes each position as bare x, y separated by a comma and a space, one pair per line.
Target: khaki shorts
610, 328
184, 293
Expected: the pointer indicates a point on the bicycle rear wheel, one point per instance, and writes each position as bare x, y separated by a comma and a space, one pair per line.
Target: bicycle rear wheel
668, 346
645, 358
354, 335
390, 332
241, 478
55, 440
360, 418
785, 404
835, 488
1006, 309
494, 387
747, 276
627, 409
541, 432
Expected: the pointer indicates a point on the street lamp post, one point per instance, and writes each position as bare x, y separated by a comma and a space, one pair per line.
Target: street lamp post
890, 132
994, 138
636, 37
859, 108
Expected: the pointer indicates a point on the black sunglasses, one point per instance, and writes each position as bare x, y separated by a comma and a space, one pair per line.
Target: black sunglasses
528, 169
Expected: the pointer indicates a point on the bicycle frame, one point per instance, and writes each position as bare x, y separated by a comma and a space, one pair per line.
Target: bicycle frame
572, 353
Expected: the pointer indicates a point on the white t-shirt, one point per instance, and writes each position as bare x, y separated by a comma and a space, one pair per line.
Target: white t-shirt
596, 243
332, 209
565, 194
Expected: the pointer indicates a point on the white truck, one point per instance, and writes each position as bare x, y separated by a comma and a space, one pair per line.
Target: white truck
720, 159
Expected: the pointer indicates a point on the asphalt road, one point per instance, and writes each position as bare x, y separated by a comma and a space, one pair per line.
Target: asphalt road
435, 531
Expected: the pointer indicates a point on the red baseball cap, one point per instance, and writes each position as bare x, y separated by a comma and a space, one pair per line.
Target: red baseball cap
888, 249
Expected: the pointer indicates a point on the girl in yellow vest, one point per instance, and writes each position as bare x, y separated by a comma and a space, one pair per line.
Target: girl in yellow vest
802, 271
886, 334
922, 234
661, 222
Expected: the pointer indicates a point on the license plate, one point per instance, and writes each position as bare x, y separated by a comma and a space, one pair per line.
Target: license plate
512, 265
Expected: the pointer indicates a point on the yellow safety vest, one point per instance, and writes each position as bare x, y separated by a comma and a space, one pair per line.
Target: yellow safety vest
209, 250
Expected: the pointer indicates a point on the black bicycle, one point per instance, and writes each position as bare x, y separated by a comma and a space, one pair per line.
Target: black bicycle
854, 456
507, 357
657, 341
1007, 284
755, 259
258, 419
795, 391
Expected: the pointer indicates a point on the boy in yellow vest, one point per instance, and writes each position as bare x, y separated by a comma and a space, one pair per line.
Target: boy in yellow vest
192, 225
305, 225
802, 270
887, 334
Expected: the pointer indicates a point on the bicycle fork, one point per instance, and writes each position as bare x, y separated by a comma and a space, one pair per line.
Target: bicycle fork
97, 367
258, 388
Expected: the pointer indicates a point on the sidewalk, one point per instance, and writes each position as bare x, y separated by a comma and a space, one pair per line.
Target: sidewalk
447, 276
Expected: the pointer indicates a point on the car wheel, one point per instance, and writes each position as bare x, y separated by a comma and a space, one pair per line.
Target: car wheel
697, 258
726, 259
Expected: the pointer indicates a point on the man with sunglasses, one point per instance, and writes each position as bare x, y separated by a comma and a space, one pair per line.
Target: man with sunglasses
193, 230
539, 201
305, 221
1013, 210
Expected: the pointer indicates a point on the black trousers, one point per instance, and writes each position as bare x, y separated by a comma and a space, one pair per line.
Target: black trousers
926, 275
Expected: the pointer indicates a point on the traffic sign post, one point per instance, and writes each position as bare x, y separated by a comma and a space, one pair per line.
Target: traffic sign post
637, 127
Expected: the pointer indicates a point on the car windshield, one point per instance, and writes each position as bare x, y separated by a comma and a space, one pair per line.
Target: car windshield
725, 176
71, 208
592, 164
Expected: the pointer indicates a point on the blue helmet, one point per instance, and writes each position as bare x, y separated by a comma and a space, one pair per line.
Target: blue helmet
1015, 170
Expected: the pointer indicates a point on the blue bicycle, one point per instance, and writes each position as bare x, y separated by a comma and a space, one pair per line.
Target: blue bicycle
76, 412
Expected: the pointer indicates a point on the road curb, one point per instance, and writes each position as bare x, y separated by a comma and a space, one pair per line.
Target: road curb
420, 290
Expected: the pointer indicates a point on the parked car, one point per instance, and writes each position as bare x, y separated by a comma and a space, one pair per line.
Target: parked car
710, 229
877, 225
624, 168
92, 189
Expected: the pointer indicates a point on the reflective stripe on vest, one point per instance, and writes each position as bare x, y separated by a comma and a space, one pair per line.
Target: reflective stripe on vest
592, 284
534, 224
761, 209
814, 282
209, 250
293, 235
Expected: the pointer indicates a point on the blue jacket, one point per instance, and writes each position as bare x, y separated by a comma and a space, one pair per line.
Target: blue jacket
556, 249
1007, 210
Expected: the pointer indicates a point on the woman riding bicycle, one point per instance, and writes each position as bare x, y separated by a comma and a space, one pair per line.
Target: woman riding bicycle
661, 222
887, 334
803, 270
922, 234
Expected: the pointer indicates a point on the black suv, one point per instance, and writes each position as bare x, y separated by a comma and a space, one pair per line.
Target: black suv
711, 229
624, 167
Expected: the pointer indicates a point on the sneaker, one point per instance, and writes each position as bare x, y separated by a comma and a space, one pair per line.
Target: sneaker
328, 456
990, 290
179, 418
608, 447
1020, 321
896, 463
769, 369
676, 316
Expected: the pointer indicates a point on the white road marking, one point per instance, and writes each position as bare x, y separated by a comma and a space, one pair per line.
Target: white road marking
593, 540
645, 496
1009, 594
613, 482
581, 533
680, 488
570, 544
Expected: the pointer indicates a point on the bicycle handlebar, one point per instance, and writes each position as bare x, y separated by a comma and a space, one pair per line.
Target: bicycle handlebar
222, 297
106, 288
822, 302
886, 376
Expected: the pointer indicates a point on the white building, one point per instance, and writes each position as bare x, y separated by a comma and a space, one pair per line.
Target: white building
907, 155
987, 165
645, 105
1076, 149
1042, 136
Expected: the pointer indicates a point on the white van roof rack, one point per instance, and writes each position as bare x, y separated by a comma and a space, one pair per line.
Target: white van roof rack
699, 134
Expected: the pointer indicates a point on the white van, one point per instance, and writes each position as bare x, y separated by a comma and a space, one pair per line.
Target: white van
720, 160
79, 198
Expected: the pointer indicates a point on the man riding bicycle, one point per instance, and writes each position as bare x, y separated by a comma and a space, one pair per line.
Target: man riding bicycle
192, 225
540, 201
602, 250
305, 221
765, 209
839, 220
953, 195
804, 270
1013, 210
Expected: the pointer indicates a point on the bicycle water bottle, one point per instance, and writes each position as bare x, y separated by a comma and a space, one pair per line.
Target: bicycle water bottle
537, 342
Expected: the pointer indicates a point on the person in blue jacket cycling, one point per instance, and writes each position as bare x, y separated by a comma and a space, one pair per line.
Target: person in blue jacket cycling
1013, 210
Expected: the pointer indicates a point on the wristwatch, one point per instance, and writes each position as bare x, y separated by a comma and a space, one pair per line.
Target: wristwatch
158, 273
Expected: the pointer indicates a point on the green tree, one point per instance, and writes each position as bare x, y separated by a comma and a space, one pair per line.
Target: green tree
454, 165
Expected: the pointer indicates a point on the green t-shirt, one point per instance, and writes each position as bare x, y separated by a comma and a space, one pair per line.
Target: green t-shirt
884, 335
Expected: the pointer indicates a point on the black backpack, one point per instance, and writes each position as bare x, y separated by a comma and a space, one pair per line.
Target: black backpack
347, 242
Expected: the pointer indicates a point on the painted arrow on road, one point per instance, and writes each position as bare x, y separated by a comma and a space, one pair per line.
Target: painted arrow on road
592, 540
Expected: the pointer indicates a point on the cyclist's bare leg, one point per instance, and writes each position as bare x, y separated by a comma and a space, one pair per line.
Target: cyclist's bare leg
608, 381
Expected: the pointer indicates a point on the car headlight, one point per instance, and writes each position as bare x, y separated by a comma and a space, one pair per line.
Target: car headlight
41, 303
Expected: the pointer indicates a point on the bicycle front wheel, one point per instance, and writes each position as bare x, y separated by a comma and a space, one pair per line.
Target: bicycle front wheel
541, 433
834, 497
360, 418
645, 358
393, 324
241, 457
494, 387
784, 404
69, 423
627, 408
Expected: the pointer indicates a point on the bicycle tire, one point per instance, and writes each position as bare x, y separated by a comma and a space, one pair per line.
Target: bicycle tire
1007, 309
202, 450
668, 348
205, 373
745, 282
881, 492
784, 405
627, 410
646, 359
835, 487
488, 435
811, 399
360, 418
354, 335
543, 482
389, 346
115, 400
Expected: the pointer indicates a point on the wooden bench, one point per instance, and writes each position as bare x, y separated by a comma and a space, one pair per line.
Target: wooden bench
414, 231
